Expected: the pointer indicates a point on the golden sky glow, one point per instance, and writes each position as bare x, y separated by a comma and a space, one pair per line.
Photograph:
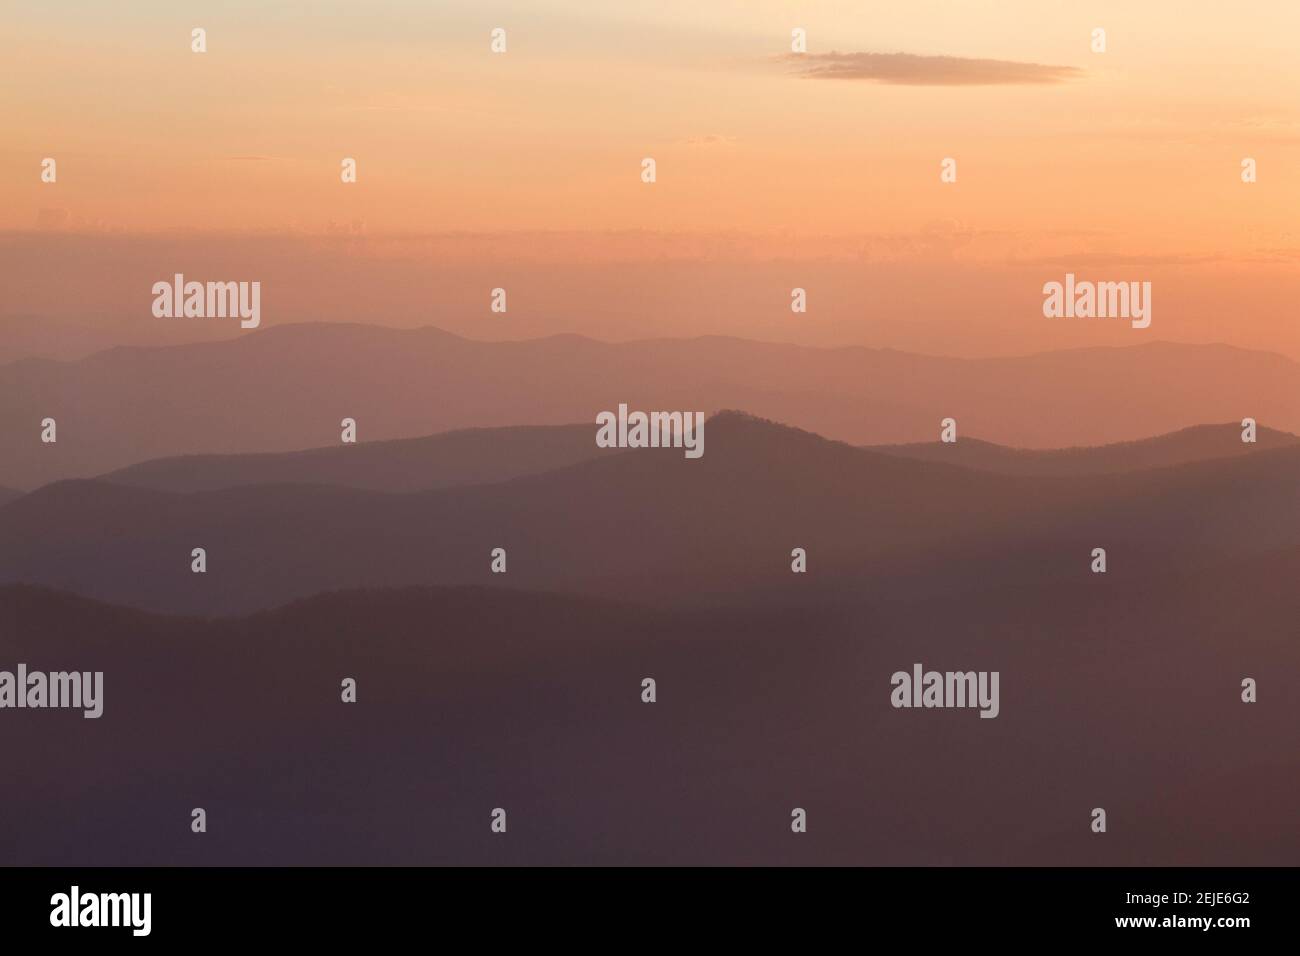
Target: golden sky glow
1143, 145
1066, 158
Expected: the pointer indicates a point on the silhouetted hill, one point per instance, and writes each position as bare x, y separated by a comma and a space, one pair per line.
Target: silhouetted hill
1199, 443
485, 455
470, 456
1116, 693
58, 337
653, 523
288, 387
8, 494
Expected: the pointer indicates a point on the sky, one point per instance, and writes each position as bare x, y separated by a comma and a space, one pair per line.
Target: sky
1126, 160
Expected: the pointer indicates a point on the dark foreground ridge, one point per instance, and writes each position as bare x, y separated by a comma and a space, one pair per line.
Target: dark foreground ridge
472, 700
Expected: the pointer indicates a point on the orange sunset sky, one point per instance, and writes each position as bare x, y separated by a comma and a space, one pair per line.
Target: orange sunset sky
774, 170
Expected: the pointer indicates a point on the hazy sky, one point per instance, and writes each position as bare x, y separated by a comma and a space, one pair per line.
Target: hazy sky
1127, 156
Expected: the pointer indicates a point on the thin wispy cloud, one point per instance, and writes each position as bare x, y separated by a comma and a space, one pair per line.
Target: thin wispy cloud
711, 139
910, 69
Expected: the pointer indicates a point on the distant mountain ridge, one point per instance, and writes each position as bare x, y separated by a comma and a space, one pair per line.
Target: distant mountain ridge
288, 387
649, 521
1198, 443
486, 455
462, 457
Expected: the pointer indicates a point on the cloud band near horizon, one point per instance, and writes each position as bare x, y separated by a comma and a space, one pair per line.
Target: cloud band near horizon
911, 69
